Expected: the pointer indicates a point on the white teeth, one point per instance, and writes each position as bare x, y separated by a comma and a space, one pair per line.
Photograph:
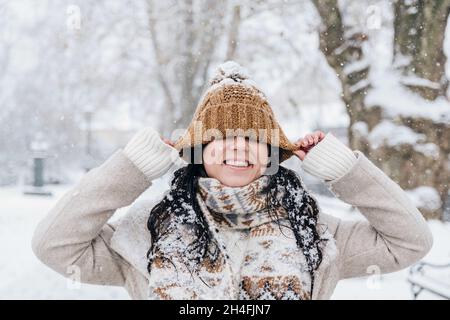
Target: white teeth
237, 163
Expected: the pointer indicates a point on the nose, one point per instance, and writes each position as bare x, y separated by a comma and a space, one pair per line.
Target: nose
238, 146
240, 143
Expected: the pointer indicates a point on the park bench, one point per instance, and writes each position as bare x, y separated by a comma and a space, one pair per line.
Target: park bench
430, 277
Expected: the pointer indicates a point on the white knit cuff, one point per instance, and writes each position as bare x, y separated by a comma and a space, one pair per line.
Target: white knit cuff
150, 154
330, 159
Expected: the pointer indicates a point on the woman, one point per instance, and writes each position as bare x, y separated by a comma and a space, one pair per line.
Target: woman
235, 224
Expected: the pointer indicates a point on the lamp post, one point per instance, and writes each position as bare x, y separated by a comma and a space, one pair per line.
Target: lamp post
39, 153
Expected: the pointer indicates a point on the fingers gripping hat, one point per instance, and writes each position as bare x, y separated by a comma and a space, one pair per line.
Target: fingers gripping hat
234, 106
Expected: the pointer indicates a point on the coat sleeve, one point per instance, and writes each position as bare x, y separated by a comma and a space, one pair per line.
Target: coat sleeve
73, 239
393, 234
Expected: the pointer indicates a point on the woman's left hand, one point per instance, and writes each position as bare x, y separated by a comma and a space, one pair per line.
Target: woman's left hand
307, 143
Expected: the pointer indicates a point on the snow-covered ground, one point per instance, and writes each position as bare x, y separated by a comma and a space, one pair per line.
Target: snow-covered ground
22, 276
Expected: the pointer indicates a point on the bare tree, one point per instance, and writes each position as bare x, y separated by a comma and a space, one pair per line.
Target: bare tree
183, 70
233, 32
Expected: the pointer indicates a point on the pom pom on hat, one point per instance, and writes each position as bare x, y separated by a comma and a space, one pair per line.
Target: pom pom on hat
229, 70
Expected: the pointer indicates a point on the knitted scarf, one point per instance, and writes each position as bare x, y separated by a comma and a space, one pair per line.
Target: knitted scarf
254, 253
236, 207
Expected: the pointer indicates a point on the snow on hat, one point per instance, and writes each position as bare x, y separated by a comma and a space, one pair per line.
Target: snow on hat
233, 105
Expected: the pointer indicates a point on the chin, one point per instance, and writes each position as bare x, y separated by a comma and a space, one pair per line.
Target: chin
236, 181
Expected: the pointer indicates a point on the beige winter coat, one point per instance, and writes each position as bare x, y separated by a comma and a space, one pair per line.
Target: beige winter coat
76, 233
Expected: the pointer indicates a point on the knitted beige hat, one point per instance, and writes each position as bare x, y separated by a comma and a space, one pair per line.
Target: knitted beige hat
234, 106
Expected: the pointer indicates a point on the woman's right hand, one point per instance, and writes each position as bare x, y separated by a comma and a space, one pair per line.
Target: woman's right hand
151, 153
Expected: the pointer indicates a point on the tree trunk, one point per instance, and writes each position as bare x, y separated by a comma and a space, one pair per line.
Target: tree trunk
343, 51
194, 44
419, 28
186, 70
233, 33
419, 36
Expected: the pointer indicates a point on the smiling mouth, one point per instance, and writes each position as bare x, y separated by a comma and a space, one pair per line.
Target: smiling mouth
237, 164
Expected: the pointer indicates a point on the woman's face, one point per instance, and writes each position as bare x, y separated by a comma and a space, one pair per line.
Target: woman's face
235, 161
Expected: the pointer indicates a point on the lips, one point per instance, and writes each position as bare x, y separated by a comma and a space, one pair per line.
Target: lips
237, 164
